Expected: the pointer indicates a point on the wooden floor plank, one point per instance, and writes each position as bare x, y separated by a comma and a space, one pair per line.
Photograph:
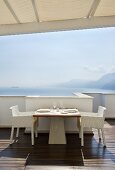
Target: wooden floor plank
72, 155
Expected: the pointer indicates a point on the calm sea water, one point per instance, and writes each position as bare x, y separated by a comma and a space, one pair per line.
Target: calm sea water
51, 91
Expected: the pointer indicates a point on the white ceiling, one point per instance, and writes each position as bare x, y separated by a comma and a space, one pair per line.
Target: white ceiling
28, 16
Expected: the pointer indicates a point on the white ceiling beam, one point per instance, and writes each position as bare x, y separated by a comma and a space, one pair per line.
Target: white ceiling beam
85, 23
93, 8
11, 11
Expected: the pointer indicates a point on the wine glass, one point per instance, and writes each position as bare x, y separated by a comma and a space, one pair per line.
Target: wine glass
61, 105
54, 105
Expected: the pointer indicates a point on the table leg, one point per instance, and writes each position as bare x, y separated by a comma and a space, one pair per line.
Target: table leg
57, 131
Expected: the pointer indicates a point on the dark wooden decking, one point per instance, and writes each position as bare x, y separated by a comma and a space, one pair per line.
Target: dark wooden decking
21, 153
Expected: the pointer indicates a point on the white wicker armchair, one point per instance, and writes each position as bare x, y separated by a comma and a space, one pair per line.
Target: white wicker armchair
23, 119
93, 120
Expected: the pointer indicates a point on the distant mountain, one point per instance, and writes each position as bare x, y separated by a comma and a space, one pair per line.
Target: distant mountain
105, 82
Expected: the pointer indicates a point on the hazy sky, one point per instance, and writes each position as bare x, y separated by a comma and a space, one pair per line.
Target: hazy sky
45, 58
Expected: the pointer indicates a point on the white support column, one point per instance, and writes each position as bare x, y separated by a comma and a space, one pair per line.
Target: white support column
57, 131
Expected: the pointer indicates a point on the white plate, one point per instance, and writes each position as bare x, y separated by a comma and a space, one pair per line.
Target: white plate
71, 111
64, 112
43, 110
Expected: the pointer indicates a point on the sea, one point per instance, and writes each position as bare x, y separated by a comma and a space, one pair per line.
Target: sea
48, 91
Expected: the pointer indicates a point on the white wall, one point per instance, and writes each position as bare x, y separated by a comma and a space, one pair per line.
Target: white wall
105, 99
97, 100
109, 103
33, 103
81, 103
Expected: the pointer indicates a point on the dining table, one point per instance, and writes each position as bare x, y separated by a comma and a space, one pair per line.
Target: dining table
57, 134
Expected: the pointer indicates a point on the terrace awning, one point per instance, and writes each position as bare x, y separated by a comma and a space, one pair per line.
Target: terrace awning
32, 16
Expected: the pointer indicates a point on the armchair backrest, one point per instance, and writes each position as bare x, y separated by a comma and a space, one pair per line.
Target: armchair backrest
101, 110
15, 110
